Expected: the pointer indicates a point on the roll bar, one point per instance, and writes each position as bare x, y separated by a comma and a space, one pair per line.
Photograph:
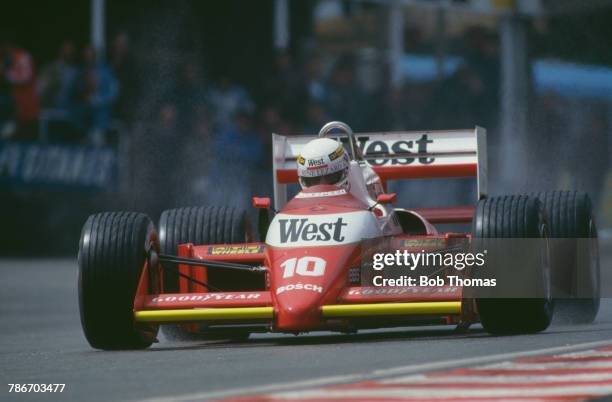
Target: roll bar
356, 154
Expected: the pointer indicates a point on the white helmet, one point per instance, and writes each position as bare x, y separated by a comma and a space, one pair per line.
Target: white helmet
323, 161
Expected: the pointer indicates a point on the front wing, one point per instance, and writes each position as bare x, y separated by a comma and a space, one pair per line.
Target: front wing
356, 306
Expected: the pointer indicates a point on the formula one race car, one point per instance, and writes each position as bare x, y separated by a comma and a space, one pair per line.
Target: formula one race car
203, 276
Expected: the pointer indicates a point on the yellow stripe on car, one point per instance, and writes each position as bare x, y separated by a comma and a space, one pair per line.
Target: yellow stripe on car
381, 309
205, 314
332, 311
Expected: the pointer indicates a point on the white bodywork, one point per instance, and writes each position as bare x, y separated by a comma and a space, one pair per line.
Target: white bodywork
288, 230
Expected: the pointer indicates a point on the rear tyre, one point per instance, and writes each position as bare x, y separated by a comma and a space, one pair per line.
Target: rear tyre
203, 225
112, 252
516, 264
574, 254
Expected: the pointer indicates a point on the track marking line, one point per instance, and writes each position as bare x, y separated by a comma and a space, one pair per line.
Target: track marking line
476, 379
379, 373
406, 393
458, 385
550, 365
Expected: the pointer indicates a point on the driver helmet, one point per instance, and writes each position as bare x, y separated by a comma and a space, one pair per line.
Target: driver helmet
323, 161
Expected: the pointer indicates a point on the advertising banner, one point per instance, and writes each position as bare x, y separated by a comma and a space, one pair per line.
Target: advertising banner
57, 165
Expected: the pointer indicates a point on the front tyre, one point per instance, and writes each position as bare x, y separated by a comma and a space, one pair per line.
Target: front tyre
112, 253
203, 225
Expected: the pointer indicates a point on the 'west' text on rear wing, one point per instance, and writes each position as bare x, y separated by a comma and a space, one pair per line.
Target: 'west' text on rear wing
396, 155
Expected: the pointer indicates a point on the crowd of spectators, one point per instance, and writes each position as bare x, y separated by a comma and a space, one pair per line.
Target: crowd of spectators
84, 92
70, 99
197, 123
215, 131
219, 130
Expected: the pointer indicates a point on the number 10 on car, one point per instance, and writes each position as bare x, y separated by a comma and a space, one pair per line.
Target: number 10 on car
304, 266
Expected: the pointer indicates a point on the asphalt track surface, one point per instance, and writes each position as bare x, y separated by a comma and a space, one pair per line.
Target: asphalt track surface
41, 342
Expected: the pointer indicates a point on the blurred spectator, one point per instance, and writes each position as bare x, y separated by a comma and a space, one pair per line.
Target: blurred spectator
19, 83
241, 140
271, 121
125, 67
459, 100
202, 126
56, 88
7, 104
57, 79
98, 90
315, 81
241, 144
550, 120
286, 86
196, 158
482, 57
316, 117
346, 101
156, 160
167, 123
191, 94
228, 98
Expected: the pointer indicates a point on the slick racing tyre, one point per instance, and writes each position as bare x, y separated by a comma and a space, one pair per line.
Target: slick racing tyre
511, 231
112, 253
203, 225
574, 255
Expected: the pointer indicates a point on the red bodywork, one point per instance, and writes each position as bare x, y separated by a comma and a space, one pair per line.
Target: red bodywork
298, 298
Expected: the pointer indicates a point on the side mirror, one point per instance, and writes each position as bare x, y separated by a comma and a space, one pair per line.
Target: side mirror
261, 202
264, 215
386, 198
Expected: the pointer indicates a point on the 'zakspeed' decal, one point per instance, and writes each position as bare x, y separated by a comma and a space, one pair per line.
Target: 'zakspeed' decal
234, 250
317, 167
287, 230
334, 193
300, 286
425, 242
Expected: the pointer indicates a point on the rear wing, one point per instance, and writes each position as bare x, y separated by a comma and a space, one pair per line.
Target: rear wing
396, 155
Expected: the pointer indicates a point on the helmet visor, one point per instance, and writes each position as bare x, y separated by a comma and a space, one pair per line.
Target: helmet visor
332, 178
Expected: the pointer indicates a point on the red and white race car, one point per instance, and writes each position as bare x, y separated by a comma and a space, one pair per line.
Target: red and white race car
202, 275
